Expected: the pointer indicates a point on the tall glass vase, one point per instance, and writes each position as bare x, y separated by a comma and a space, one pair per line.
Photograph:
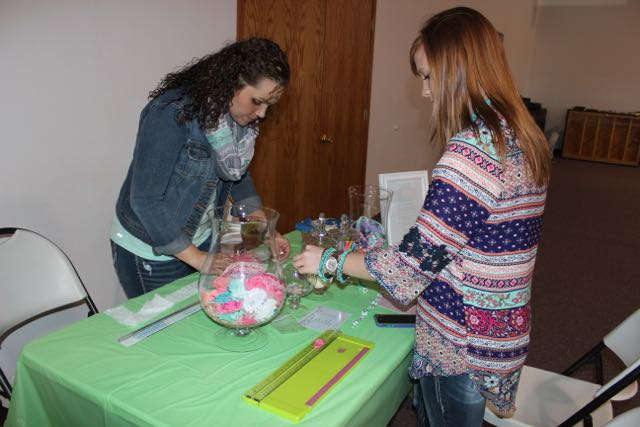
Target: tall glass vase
368, 210
241, 285
370, 202
319, 236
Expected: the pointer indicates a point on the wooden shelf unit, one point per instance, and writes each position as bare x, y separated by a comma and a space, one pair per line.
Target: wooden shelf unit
602, 137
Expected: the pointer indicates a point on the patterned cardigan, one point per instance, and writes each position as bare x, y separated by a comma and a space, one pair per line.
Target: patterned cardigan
469, 261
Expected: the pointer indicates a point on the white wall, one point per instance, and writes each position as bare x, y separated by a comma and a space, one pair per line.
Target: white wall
398, 130
74, 75
588, 56
562, 53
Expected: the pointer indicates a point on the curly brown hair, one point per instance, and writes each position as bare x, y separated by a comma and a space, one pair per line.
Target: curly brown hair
209, 83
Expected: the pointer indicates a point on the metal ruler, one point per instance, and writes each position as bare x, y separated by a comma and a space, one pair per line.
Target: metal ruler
153, 327
293, 389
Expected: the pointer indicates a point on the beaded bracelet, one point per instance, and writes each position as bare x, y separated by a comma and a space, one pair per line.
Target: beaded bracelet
323, 260
341, 261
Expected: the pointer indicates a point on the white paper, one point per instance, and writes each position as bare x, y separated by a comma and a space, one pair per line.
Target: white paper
183, 293
151, 308
409, 191
324, 318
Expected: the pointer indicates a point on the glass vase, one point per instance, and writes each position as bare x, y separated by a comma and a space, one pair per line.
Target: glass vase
241, 285
298, 286
319, 236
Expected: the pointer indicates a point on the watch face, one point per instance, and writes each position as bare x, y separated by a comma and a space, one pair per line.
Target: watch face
331, 265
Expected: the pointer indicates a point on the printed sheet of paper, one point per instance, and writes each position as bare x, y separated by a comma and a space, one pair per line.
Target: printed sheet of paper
409, 191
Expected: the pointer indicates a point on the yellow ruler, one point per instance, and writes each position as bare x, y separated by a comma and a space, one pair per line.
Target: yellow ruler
297, 386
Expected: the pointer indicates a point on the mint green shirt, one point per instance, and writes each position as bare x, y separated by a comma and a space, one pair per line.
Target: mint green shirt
121, 237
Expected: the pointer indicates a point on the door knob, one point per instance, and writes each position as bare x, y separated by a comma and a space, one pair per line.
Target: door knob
324, 139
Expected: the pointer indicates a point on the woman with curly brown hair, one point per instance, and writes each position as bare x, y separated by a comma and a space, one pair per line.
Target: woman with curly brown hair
195, 141
469, 258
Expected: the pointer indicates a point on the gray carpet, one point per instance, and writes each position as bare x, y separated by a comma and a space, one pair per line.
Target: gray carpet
586, 275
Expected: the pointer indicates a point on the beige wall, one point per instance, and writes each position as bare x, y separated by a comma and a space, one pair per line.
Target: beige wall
74, 77
563, 53
399, 131
588, 56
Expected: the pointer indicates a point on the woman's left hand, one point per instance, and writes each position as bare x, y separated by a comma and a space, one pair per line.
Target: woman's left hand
308, 260
283, 248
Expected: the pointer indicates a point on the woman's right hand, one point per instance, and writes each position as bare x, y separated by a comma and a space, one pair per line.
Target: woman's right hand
308, 260
193, 257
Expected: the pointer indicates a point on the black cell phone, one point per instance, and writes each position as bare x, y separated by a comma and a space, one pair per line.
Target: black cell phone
395, 320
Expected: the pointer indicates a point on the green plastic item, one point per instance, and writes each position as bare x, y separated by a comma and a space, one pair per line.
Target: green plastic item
294, 389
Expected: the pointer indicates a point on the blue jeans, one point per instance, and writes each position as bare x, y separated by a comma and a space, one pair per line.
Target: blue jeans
448, 402
139, 275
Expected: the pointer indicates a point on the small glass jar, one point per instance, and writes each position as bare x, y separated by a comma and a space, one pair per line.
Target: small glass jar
297, 285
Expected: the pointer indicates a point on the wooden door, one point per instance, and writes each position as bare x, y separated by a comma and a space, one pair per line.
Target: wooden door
329, 44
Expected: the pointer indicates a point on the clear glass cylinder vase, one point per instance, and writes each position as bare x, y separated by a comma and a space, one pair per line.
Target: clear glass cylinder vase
319, 236
369, 211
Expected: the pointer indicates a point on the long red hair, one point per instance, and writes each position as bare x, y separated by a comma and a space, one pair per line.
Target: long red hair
468, 67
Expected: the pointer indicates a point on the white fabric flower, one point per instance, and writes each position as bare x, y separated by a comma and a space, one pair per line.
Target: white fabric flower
254, 299
266, 310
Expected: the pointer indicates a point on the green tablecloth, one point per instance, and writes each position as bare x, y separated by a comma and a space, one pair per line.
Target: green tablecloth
81, 376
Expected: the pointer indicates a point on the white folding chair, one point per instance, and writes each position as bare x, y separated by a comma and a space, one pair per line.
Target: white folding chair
630, 418
551, 399
36, 279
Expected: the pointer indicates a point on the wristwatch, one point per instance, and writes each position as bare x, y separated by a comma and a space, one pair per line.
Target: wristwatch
331, 264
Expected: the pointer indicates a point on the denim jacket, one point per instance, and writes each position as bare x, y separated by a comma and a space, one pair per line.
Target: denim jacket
172, 178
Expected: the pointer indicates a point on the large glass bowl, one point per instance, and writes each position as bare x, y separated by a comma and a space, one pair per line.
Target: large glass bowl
241, 285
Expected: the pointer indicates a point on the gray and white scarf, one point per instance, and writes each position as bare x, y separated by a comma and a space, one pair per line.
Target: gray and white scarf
233, 146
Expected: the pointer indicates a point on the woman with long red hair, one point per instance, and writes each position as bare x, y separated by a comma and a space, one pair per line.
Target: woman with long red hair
469, 258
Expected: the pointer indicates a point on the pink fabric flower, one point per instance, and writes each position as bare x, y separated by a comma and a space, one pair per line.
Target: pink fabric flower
229, 307
221, 284
273, 286
208, 297
263, 281
279, 296
247, 320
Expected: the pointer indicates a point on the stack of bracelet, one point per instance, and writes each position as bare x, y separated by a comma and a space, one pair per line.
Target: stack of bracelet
323, 260
342, 257
341, 260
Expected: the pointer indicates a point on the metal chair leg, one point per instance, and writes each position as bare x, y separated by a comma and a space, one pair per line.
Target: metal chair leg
592, 354
5, 386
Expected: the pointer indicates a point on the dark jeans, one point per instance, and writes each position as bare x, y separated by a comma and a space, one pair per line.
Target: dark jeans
139, 275
448, 402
